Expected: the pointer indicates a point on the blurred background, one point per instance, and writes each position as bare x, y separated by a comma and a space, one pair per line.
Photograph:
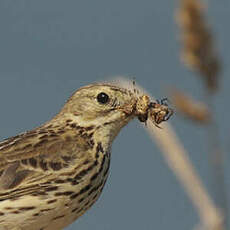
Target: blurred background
50, 48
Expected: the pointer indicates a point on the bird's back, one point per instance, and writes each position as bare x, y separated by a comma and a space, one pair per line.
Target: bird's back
50, 176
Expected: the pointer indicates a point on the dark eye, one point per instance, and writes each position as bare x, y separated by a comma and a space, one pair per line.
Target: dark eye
102, 98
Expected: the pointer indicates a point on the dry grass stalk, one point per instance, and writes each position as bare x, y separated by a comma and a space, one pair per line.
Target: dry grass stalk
198, 50
190, 108
177, 159
199, 54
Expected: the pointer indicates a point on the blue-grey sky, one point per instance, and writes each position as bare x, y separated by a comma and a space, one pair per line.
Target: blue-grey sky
50, 48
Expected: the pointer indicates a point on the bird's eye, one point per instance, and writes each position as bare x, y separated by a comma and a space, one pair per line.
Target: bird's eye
102, 98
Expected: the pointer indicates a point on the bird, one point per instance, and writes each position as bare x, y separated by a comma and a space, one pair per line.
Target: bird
53, 174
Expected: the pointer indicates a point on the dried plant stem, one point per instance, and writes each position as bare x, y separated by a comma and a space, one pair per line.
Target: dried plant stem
199, 52
190, 108
177, 159
217, 162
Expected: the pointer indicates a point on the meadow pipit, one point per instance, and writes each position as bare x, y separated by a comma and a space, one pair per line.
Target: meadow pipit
51, 175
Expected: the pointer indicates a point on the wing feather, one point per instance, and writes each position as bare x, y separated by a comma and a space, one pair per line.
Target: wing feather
34, 156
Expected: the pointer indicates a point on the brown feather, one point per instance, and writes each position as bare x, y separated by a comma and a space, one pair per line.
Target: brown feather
36, 154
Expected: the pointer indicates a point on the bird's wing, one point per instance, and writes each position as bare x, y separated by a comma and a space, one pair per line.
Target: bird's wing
35, 156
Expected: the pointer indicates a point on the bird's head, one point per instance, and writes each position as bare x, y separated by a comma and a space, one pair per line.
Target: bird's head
101, 105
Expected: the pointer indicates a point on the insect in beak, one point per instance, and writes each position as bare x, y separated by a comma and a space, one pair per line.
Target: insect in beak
157, 112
